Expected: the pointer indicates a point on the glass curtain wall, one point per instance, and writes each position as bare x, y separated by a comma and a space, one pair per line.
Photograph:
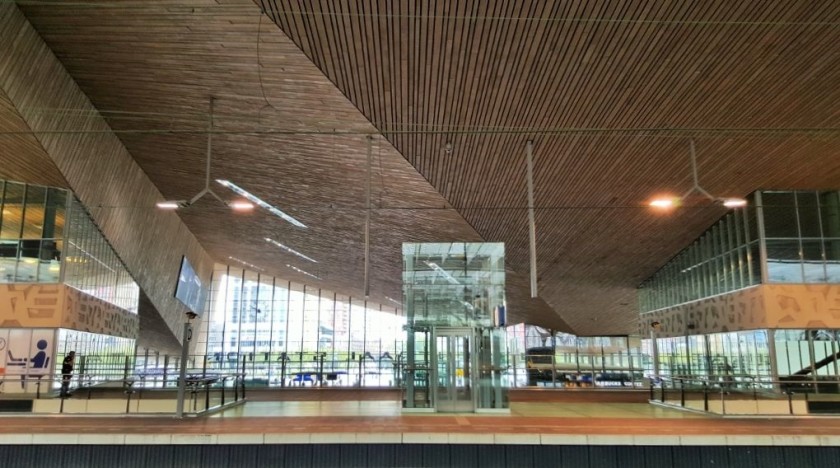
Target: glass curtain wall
31, 232
92, 266
565, 360
99, 358
289, 334
802, 231
808, 354
725, 258
741, 356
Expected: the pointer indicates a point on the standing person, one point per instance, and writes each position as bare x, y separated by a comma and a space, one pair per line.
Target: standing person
67, 373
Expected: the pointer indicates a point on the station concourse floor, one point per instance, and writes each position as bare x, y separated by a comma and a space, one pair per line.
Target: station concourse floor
383, 422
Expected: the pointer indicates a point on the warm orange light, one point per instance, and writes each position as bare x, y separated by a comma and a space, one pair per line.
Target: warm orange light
734, 202
242, 205
664, 203
168, 205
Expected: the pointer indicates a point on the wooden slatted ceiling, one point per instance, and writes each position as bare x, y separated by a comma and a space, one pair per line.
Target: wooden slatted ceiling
23, 158
479, 74
156, 68
99, 170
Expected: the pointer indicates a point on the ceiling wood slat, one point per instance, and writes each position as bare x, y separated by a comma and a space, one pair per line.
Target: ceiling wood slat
597, 64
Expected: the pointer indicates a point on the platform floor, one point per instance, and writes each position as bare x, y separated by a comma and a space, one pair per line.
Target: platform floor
383, 422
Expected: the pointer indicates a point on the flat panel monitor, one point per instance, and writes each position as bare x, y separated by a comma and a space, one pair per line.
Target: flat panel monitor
189, 289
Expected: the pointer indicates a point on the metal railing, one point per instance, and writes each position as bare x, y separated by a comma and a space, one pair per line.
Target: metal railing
747, 395
206, 392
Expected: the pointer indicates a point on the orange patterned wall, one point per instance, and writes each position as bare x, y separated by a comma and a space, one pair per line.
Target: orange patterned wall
60, 306
87, 313
757, 307
30, 305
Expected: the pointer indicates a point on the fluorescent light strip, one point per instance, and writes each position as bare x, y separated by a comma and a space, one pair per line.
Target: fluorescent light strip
169, 205
443, 272
253, 198
243, 262
290, 250
393, 300
301, 271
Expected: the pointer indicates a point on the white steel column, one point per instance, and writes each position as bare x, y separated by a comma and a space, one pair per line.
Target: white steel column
532, 229
367, 219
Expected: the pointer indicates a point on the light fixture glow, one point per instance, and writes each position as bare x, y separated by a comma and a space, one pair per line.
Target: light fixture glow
171, 204
662, 203
443, 272
734, 202
241, 205
301, 271
290, 250
175, 204
259, 202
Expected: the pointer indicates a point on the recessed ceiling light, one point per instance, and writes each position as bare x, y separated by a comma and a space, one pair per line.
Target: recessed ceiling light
734, 202
171, 204
290, 250
259, 202
662, 203
241, 205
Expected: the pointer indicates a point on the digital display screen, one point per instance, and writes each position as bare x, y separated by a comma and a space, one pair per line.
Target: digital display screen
189, 289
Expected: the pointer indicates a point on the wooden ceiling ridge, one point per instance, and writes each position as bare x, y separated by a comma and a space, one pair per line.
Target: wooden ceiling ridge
754, 84
154, 68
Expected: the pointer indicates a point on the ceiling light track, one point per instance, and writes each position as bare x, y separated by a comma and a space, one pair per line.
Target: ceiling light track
671, 202
260, 202
175, 204
290, 250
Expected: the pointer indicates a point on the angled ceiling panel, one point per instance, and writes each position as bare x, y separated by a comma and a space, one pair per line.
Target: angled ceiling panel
23, 158
610, 93
283, 131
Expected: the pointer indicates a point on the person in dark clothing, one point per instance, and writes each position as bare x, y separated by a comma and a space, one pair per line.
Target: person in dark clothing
67, 373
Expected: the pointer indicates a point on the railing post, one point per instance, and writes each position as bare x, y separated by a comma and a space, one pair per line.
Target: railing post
662, 391
790, 401
206, 395
165, 370
243, 380
652, 383
705, 397
682, 393
182, 371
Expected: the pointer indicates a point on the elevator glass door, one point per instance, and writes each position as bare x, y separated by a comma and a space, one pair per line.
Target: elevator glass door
453, 385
